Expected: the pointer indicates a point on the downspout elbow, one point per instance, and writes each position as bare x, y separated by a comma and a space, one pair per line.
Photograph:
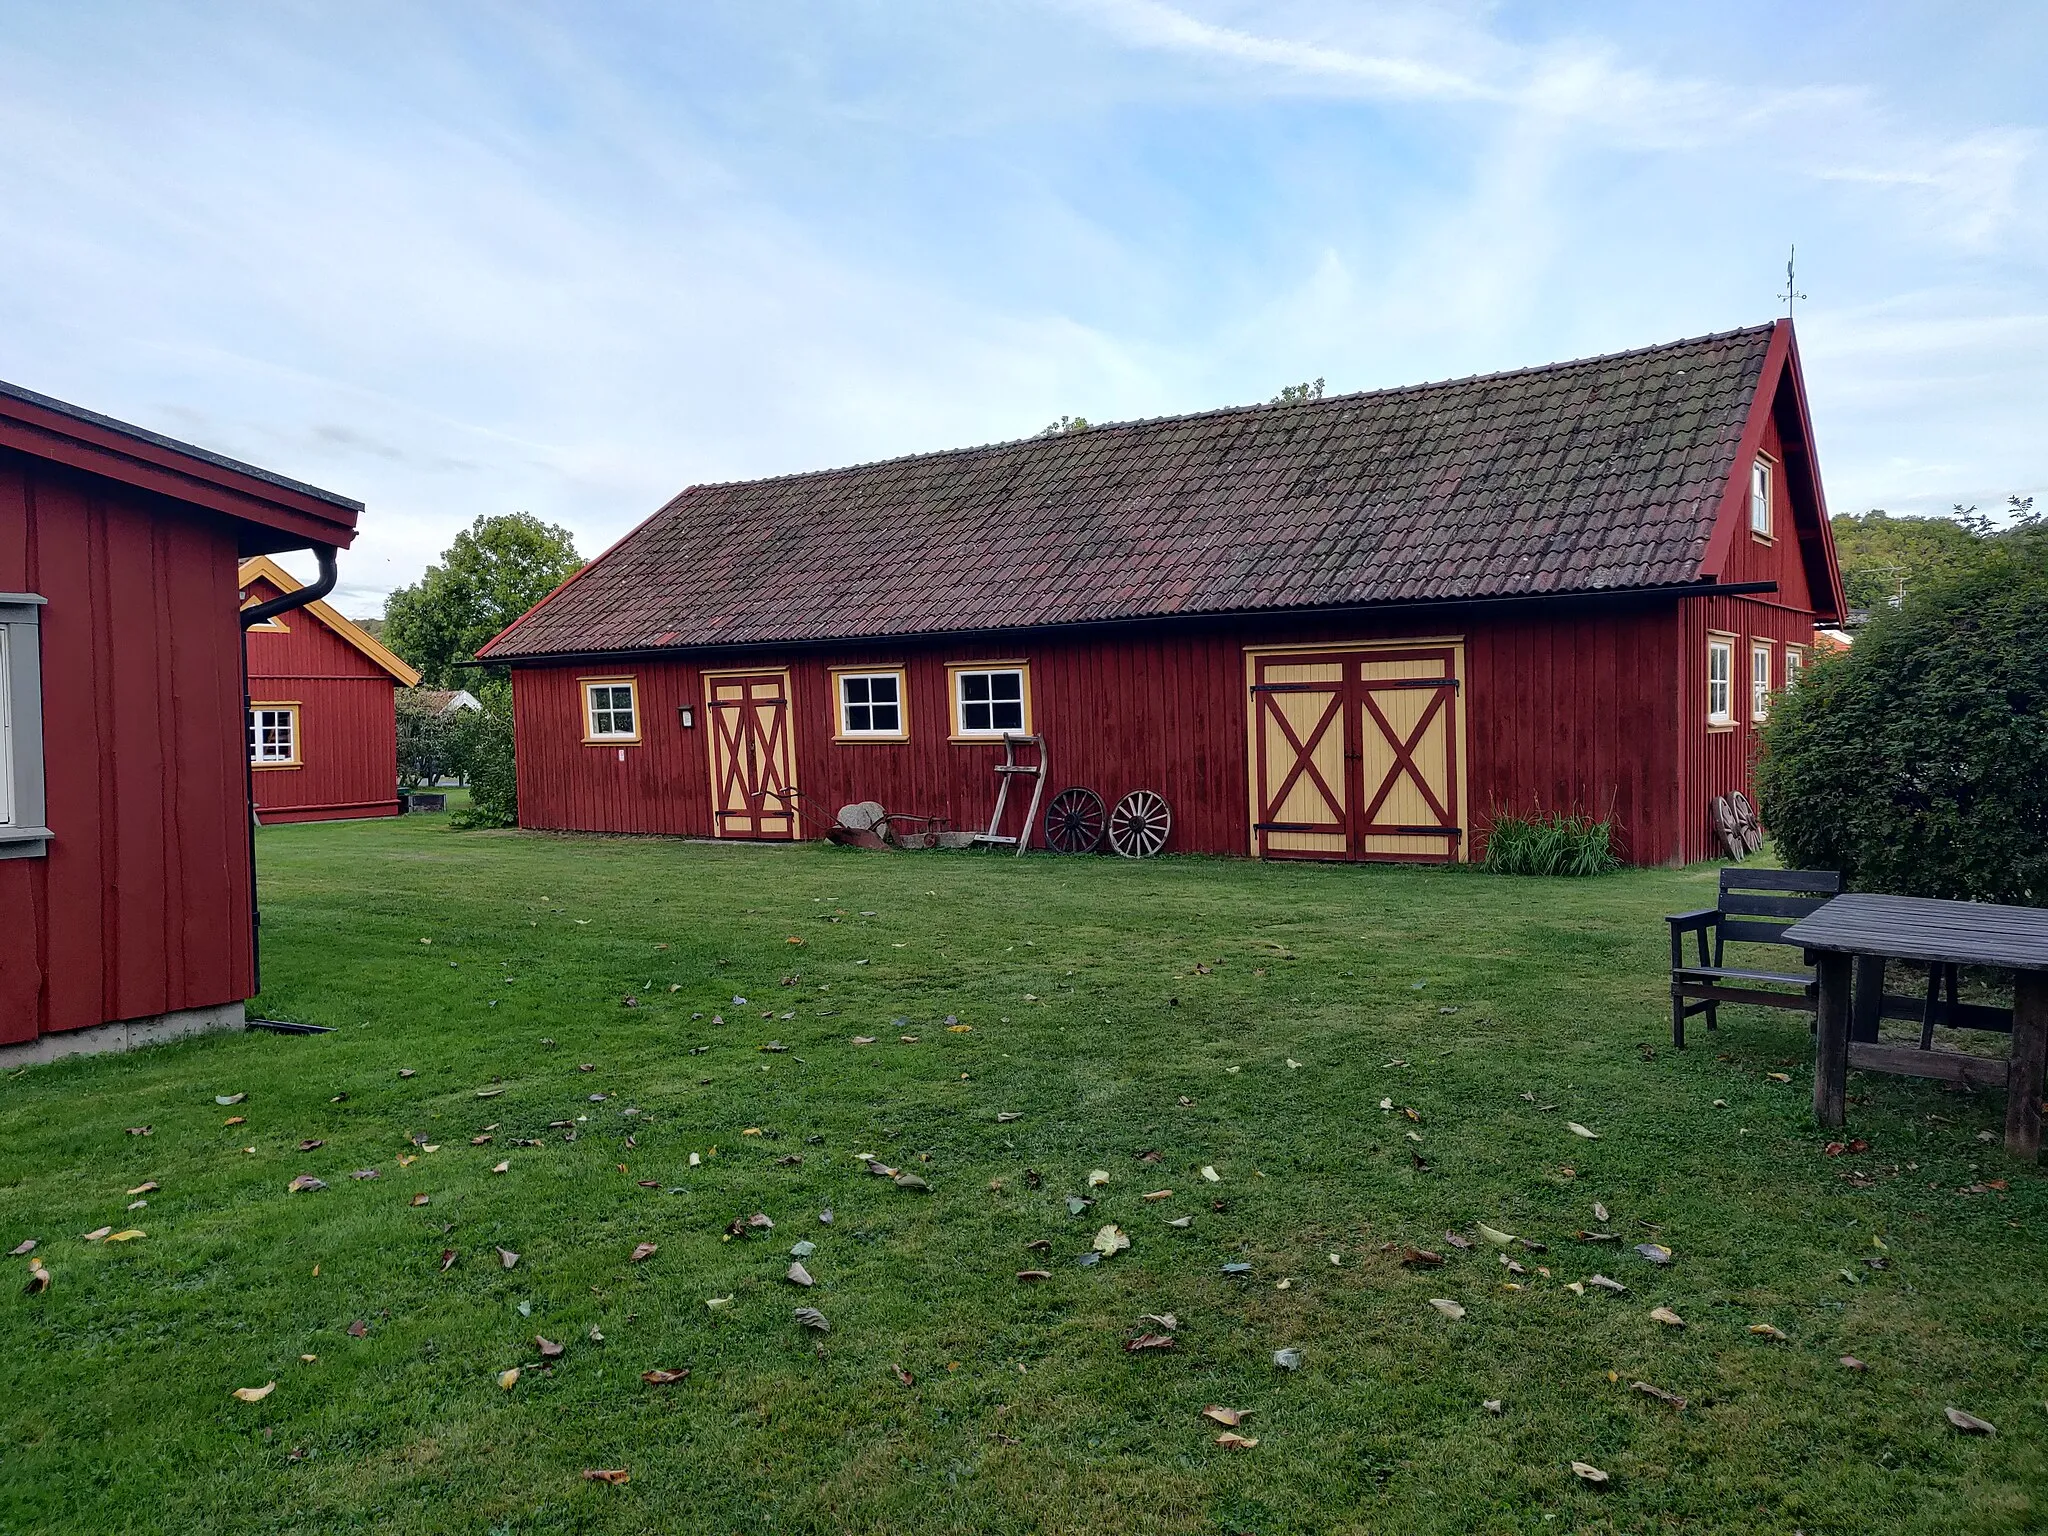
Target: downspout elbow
329, 573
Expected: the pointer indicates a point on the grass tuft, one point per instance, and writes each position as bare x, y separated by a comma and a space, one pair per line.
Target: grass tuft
1573, 845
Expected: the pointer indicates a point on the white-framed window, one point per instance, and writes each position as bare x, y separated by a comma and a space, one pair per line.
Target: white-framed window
22, 832
274, 735
1795, 663
989, 700
1720, 672
1759, 680
611, 710
1760, 496
872, 706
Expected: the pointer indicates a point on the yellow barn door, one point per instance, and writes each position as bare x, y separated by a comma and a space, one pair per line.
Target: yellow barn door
753, 774
1358, 753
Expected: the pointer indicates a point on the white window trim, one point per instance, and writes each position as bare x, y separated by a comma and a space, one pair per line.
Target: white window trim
844, 730
1725, 646
290, 707
1759, 687
1795, 666
1764, 463
23, 831
956, 671
592, 736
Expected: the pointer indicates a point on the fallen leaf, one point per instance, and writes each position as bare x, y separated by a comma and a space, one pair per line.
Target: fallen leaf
1006, 1116
257, 1394
662, 1378
1493, 1235
1149, 1341
549, 1349
1182, 1221
488, 1093
1236, 1442
1597, 1237
1493, 1406
311, 1145
812, 1318
1579, 1130
910, 1181
1229, 1418
1768, 1331
1164, 1321
1667, 1317
236, 1120
130, 1235
903, 1376
448, 1257
1237, 1267
420, 1199
507, 1380
718, 1303
38, 1278
147, 1130
643, 1251
1658, 1393
1587, 1473
25, 1246
507, 1257
959, 1029
504, 1167
1033, 1276
303, 1183
149, 1187
358, 1329
1779, 1077
863, 1039
798, 1275
1851, 1363
1656, 1253
1098, 1177
407, 1072
1449, 1308
1210, 1174
225, 1099
1421, 1258
366, 1173
1969, 1423
1606, 1284
96, 1234
1287, 1359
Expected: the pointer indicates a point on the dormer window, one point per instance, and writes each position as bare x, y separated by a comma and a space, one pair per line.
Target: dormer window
1760, 497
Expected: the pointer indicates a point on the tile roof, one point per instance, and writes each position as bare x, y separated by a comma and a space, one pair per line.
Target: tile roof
1579, 477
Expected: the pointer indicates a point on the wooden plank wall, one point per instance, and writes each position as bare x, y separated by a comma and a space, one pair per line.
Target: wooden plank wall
347, 723
142, 905
1566, 710
1715, 761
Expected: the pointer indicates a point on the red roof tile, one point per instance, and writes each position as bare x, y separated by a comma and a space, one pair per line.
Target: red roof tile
1580, 477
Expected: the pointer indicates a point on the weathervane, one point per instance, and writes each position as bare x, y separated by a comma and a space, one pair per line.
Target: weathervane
1791, 293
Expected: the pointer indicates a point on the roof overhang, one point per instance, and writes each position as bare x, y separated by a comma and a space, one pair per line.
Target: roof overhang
1606, 597
274, 512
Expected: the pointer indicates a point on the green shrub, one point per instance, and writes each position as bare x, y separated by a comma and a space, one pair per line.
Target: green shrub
1918, 762
426, 743
1540, 844
485, 751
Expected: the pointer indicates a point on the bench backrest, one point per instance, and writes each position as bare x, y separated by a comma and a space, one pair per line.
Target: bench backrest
1758, 905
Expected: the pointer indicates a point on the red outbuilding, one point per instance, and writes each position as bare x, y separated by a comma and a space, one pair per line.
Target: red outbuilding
323, 724
1350, 628
126, 894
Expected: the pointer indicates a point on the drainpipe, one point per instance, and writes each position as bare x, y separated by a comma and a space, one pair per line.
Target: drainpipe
257, 614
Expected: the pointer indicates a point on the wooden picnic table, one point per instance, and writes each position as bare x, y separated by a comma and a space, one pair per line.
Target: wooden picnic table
1877, 927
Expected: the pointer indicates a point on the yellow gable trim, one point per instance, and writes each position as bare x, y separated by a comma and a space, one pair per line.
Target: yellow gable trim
262, 567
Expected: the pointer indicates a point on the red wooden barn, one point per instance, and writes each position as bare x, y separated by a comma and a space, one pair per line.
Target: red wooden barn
125, 869
323, 725
1349, 628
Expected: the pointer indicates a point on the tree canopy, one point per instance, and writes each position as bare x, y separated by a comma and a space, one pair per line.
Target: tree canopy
496, 569
1882, 555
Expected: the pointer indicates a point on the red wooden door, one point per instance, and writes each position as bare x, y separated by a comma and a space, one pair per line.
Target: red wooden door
1357, 753
753, 777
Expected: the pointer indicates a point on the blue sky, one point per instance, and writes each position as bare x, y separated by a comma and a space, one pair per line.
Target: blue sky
457, 258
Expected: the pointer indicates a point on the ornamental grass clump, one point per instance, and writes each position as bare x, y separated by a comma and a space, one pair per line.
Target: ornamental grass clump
1573, 845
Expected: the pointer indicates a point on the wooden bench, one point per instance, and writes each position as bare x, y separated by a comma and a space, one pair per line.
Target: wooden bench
1756, 907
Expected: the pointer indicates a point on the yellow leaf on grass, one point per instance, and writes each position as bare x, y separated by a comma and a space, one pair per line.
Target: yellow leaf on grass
122, 1237
507, 1380
256, 1394
1667, 1317
1579, 1130
1235, 1442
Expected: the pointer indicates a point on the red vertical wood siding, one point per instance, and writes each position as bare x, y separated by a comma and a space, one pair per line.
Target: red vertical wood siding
348, 723
142, 905
1565, 711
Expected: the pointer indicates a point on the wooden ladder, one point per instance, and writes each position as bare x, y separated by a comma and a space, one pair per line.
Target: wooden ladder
1008, 771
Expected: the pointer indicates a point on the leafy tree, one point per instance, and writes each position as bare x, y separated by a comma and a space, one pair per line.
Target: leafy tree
427, 745
494, 571
1298, 394
1917, 762
1882, 556
484, 748
1065, 425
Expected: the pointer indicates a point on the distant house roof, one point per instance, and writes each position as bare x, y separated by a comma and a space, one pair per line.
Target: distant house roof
1584, 477
445, 701
263, 568
277, 512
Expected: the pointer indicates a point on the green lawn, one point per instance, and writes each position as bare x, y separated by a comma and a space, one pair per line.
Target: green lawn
1243, 1017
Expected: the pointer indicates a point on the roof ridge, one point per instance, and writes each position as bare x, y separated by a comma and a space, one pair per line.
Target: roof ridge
1219, 411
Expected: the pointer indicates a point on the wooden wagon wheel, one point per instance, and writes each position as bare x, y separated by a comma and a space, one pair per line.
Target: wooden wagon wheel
1750, 829
1140, 824
1074, 821
1728, 827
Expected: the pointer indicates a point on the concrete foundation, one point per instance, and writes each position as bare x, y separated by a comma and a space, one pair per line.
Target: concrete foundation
123, 1035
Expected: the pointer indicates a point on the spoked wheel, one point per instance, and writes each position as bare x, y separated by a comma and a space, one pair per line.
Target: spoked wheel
1074, 821
1746, 821
1140, 824
1728, 828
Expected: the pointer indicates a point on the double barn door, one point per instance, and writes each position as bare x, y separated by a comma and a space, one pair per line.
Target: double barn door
753, 774
1358, 753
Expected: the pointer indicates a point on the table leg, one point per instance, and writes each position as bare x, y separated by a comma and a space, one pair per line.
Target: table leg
1863, 1024
2023, 1076
1831, 1038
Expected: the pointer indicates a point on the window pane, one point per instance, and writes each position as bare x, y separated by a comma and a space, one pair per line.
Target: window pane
1006, 685
856, 689
887, 717
974, 685
882, 689
860, 717
975, 716
1008, 715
